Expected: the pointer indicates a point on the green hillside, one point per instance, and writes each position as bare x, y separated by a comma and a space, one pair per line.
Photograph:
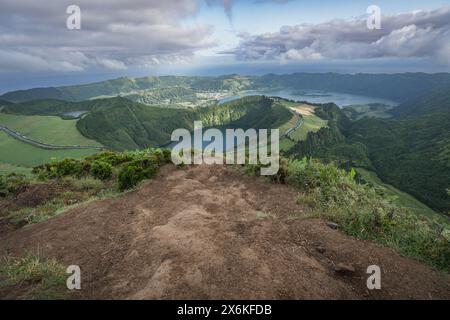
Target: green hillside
400, 198
397, 87
437, 101
412, 153
135, 87
372, 110
47, 107
123, 125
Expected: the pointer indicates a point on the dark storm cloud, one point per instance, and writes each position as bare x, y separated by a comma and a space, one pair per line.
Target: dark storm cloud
416, 34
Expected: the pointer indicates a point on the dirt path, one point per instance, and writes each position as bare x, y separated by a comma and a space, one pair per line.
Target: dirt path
208, 232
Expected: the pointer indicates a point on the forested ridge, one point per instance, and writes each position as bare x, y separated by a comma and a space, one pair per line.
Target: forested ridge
410, 151
123, 125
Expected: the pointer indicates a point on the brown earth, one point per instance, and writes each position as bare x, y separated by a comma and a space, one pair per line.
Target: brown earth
208, 232
28, 196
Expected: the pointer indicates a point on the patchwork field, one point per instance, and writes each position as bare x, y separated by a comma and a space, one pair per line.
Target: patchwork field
46, 129
311, 123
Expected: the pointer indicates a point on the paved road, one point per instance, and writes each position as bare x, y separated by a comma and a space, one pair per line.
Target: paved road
297, 125
41, 145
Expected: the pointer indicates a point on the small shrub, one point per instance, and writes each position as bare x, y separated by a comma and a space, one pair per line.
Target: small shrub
112, 158
69, 167
12, 183
137, 171
3, 187
101, 170
279, 177
129, 177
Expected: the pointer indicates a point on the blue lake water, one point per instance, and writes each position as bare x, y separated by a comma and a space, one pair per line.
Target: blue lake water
206, 143
341, 99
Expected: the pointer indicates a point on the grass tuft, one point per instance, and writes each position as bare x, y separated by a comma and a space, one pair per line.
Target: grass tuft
32, 277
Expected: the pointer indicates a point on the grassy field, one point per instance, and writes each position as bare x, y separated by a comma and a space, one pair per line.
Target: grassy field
6, 168
14, 154
403, 199
47, 129
20, 154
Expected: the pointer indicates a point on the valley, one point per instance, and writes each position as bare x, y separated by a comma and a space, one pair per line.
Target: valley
223, 152
380, 171
321, 129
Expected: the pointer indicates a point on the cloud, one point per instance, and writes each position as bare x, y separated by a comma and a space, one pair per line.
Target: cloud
420, 34
38, 60
114, 34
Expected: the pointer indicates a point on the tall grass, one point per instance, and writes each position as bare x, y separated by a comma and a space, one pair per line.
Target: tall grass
33, 277
361, 212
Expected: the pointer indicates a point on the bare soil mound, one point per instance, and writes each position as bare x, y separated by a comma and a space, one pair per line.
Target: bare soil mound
208, 232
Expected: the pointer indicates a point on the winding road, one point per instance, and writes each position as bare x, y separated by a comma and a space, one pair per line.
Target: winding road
297, 125
41, 145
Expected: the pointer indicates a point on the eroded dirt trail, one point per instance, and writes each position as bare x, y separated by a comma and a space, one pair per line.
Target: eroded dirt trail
209, 232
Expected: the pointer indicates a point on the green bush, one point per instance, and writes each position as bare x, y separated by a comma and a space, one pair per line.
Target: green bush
3, 186
136, 171
112, 158
69, 167
64, 168
101, 170
102, 165
12, 183
280, 177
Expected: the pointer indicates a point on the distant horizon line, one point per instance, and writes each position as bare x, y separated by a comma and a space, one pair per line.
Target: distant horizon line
223, 75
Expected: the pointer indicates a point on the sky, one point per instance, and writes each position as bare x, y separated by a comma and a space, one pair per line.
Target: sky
212, 37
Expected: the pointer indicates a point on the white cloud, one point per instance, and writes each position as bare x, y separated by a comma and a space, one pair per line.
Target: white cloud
114, 34
111, 64
420, 34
